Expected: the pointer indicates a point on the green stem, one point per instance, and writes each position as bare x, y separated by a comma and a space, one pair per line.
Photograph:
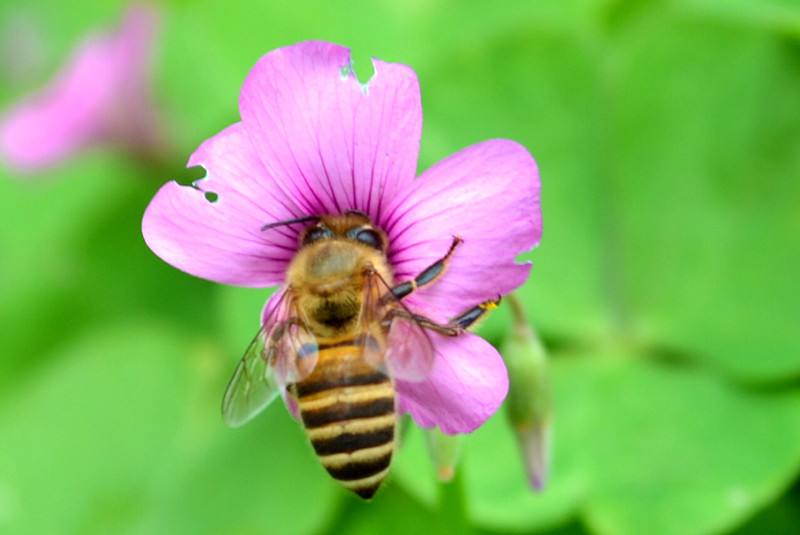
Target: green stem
452, 505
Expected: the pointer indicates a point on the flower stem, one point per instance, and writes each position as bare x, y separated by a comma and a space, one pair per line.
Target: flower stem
452, 505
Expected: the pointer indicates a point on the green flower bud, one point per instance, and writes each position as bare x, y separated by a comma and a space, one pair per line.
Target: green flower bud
529, 402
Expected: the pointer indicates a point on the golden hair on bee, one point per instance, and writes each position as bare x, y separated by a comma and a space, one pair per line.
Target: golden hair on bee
328, 274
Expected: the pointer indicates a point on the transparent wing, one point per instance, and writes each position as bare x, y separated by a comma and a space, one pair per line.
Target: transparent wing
409, 350
282, 352
252, 387
406, 351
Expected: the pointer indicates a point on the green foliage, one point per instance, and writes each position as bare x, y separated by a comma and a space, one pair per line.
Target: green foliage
665, 287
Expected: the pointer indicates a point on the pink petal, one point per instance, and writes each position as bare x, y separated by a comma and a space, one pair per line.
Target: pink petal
99, 95
332, 143
489, 195
222, 241
136, 123
466, 386
66, 115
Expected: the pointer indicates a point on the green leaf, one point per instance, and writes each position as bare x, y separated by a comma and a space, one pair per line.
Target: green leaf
671, 450
392, 512
497, 491
782, 516
776, 15
122, 433
81, 441
71, 253
239, 314
707, 196
674, 450
412, 468
251, 480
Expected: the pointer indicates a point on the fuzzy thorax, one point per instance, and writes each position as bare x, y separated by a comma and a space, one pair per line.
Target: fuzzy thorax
329, 280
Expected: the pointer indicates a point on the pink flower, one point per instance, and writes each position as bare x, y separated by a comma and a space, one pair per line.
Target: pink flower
314, 141
102, 94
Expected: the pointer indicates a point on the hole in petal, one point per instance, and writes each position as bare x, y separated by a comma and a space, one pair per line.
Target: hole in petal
361, 66
211, 196
188, 176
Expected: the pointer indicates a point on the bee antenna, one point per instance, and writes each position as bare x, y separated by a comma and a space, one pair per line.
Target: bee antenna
285, 222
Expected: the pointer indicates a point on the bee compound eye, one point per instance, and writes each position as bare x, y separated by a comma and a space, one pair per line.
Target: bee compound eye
369, 237
316, 234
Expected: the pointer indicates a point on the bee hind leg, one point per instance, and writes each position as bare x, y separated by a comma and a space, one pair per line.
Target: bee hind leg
456, 325
469, 317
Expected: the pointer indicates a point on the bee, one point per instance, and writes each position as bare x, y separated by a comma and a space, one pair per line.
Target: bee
335, 341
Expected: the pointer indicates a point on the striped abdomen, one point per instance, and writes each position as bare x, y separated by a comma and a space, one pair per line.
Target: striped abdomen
347, 407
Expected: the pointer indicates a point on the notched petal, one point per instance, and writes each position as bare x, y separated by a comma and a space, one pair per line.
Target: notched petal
489, 195
212, 228
333, 143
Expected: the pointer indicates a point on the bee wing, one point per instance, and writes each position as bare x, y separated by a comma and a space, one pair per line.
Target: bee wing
408, 352
282, 352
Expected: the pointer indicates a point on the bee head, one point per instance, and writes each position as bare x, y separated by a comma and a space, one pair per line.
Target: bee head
352, 227
334, 252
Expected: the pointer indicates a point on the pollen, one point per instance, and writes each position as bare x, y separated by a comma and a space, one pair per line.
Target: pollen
490, 305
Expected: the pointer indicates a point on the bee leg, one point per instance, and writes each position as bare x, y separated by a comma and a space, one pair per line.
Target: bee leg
468, 318
456, 325
447, 329
428, 275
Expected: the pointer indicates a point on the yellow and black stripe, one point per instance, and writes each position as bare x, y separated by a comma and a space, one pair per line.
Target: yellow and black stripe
348, 410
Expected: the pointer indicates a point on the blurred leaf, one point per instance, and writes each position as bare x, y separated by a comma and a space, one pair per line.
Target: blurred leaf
778, 15
82, 258
707, 134
412, 468
263, 478
122, 433
783, 516
81, 440
670, 450
394, 512
240, 317
497, 491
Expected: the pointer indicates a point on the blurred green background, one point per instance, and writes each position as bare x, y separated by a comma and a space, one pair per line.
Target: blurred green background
666, 286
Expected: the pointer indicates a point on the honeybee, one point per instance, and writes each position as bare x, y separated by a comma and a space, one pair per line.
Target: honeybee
334, 342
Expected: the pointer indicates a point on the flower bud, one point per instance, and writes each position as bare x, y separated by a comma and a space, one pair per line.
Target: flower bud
529, 404
444, 451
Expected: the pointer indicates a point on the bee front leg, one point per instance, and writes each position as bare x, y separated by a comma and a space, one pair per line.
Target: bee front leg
428, 275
